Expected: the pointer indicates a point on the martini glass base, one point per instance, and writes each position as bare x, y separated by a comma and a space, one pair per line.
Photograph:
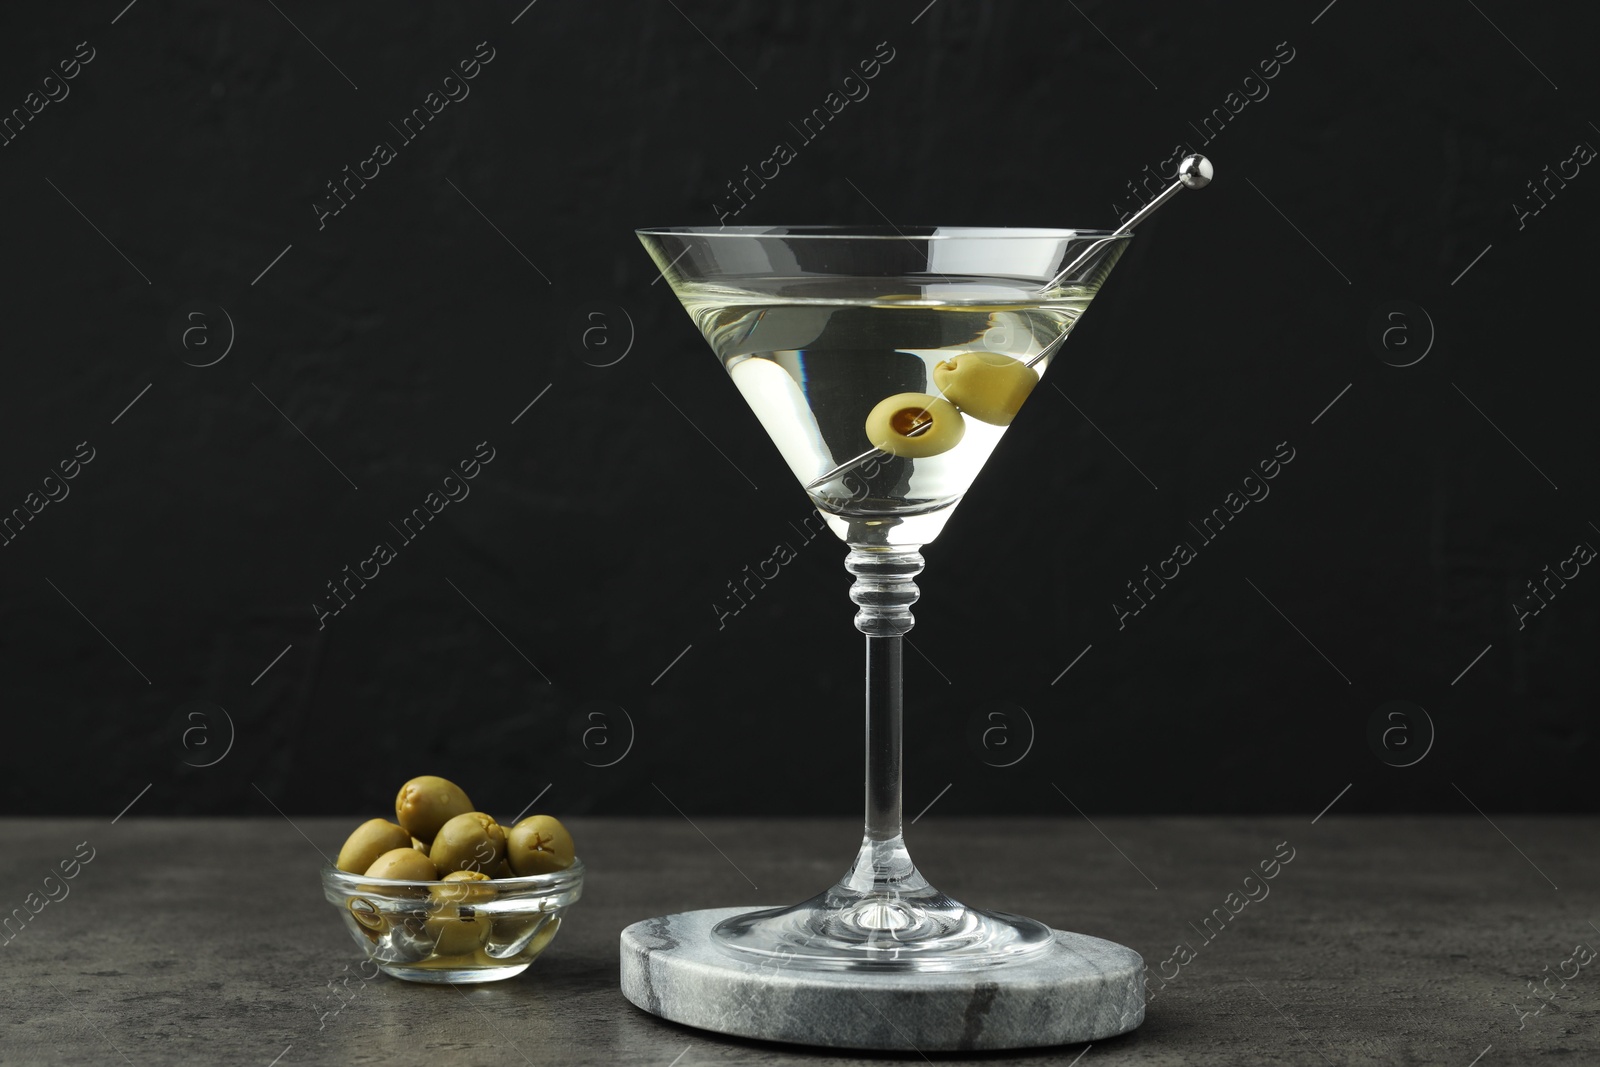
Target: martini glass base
882, 916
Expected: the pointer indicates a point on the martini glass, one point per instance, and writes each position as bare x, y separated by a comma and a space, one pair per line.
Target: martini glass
885, 364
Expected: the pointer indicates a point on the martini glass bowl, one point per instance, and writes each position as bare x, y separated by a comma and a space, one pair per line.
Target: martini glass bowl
885, 364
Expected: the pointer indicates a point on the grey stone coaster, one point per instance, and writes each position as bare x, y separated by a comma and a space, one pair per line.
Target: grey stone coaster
1083, 989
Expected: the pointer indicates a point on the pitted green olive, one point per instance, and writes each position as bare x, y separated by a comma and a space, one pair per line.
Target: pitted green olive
539, 845
456, 937
503, 868
460, 887
915, 425
371, 839
454, 925
457, 933
405, 864
426, 803
988, 386
471, 841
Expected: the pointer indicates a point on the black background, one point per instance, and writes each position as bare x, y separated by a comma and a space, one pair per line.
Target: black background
455, 289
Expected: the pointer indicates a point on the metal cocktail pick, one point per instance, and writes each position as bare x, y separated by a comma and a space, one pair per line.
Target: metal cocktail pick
1194, 172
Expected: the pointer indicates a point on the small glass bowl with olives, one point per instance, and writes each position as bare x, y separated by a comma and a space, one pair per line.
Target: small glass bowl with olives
446, 894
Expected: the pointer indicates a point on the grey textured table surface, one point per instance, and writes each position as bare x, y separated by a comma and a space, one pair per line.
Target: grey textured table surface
1384, 940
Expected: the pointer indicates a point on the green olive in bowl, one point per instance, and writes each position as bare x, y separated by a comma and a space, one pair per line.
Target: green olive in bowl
403, 864
539, 844
371, 839
469, 842
426, 803
454, 926
459, 888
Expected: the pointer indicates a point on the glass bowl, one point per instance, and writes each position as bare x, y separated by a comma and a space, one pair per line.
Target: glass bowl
453, 931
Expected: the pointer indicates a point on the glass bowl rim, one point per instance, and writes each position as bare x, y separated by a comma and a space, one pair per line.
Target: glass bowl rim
881, 233
555, 880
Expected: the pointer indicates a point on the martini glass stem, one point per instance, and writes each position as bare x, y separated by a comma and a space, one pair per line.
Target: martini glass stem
884, 591
885, 714
883, 913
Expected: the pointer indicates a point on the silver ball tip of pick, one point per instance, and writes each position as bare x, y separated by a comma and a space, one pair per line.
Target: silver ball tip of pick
1195, 172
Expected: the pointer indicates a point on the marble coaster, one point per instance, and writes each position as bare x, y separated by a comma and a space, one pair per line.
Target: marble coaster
1082, 989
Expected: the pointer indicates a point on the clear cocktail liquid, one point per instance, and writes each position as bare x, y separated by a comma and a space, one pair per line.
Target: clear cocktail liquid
813, 364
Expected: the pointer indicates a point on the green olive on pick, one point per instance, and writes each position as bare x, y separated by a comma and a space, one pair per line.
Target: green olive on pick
914, 425
988, 386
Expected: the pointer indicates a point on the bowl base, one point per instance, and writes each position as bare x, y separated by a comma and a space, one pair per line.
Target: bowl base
465, 975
